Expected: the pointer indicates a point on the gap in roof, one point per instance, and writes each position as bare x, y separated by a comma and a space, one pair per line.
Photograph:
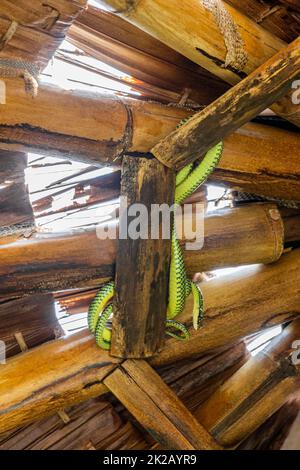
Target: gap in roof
72, 69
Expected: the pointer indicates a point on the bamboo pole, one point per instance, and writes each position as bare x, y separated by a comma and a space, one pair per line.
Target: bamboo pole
236, 305
233, 109
254, 392
60, 123
48, 262
176, 23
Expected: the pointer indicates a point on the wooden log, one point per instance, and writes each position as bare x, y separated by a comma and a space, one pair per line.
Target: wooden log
254, 392
45, 393
96, 421
92, 262
148, 61
206, 46
34, 318
139, 388
291, 221
39, 27
49, 262
229, 112
16, 215
140, 305
237, 305
254, 157
88, 126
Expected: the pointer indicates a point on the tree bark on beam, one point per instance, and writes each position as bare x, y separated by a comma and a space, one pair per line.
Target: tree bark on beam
231, 315
205, 45
233, 109
49, 262
254, 392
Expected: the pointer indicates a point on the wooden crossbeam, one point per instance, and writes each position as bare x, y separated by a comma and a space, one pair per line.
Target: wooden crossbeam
236, 305
254, 392
229, 112
49, 262
205, 45
157, 408
142, 264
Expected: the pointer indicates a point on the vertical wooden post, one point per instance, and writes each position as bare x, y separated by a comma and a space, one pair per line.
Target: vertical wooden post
142, 264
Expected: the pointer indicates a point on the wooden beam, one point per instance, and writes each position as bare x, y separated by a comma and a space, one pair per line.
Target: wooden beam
239, 304
140, 303
140, 389
157, 68
49, 262
236, 305
39, 28
60, 123
229, 112
206, 46
254, 392
88, 126
46, 393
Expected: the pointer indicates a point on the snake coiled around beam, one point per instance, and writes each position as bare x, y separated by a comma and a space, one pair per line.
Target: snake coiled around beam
100, 310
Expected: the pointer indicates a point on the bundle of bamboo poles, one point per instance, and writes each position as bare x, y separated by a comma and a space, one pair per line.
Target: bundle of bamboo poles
208, 392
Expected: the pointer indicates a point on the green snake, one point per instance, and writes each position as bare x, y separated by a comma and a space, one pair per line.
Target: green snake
100, 310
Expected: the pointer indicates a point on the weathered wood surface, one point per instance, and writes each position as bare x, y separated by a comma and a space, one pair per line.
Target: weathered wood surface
237, 237
236, 305
61, 123
239, 304
291, 221
33, 317
49, 262
282, 19
79, 369
157, 408
142, 265
16, 215
40, 27
233, 109
51, 254
176, 23
254, 392
97, 424
88, 126
150, 64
